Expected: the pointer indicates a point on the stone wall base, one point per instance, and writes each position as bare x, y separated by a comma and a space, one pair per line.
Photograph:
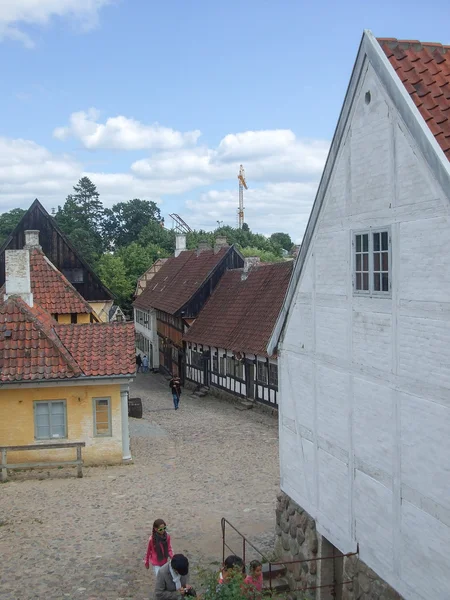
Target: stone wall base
298, 539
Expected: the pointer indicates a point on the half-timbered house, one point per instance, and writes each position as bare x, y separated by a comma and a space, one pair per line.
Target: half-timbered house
226, 346
173, 298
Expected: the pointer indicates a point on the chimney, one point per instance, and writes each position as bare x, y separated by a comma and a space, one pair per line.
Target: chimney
17, 275
202, 246
180, 244
32, 239
249, 263
221, 242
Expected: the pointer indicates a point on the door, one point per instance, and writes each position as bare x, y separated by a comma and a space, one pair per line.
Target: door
250, 380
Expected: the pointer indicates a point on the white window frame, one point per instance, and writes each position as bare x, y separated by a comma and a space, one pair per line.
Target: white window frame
265, 369
50, 436
107, 433
371, 292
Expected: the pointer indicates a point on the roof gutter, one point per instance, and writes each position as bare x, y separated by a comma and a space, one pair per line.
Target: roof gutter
78, 381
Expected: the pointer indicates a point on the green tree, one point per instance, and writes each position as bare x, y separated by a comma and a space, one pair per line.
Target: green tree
137, 259
112, 272
155, 233
193, 238
264, 255
81, 218
282, 239
125, 220
8, 222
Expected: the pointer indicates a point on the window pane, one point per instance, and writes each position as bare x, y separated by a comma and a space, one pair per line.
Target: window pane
358, 243
358, 262
43, 431
376, 242
384, 240
385, 282
358, 281
376, 262
365, 262
365, 281
385, 261
365, 242
376, 282
42, 408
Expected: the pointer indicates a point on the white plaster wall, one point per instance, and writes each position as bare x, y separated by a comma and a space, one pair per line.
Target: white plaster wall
365, 382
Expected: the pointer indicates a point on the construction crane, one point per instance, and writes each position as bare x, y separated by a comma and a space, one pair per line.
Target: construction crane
242, 185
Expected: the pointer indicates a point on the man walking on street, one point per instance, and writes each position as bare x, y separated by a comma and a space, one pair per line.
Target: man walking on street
175, 386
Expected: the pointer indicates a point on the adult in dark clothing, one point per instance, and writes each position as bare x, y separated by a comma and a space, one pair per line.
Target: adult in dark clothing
138, 362
175, 386
172, 579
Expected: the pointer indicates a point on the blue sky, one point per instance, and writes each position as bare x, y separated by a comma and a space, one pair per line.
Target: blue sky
163, 100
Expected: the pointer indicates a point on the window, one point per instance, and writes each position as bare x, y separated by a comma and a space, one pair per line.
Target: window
222, 366
74, 275
102, 416
215, 363
262, 372
230, 366
196, 359
50, 420
273, 374
238, 369
372, 262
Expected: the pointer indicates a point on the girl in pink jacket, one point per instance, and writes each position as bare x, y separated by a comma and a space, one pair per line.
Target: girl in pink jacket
159, 549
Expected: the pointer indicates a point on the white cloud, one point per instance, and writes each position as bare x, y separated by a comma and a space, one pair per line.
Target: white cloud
122, 133
14, 14
272, 207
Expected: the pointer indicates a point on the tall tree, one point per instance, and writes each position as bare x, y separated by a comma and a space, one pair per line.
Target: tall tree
8, 222
111, 271
125, 220
137, 259
282, 239
154, 233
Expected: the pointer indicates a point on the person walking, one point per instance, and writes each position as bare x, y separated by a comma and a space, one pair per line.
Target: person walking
145, 363
138, 362
175, 386
159, 549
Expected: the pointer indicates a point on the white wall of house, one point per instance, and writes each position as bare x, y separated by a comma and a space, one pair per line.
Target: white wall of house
147, 335
221, 377
365, 379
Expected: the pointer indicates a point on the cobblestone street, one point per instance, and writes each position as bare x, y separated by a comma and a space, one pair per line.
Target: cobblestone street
63, 537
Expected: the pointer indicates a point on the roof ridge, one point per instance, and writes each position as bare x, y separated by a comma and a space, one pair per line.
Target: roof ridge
409, 43
25, 310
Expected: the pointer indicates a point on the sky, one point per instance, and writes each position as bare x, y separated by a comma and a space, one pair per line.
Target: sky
164, 100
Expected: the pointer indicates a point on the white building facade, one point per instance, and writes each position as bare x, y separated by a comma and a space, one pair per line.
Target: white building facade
147, 335
364, 346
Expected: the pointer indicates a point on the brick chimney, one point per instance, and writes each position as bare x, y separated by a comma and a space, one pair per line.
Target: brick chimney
180, 244
221, 242
17, 275
249, 263
202, 247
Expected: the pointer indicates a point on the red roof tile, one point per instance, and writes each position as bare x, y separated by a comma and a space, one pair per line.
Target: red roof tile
103, 349
178, 279
424, 69
241, 314
34, 347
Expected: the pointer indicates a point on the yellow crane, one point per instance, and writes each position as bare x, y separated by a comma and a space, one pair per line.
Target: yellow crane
242, 185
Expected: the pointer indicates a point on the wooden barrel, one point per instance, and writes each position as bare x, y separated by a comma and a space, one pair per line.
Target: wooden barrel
135, 408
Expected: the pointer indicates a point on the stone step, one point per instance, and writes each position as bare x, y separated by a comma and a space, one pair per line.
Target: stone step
244, 405
199, 393
275, 571
279, 586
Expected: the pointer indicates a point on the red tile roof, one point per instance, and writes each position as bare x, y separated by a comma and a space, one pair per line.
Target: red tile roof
241, 314
34, 347
424, 69
178, 279
101, 348
51, 290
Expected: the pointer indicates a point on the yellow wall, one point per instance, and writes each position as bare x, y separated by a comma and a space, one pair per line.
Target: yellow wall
66, 319
17, 423
102, 309
83, 318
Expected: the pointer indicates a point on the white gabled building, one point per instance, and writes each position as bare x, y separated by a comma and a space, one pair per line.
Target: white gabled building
364, 338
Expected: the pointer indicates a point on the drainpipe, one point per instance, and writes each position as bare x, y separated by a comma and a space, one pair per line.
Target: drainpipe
126, 454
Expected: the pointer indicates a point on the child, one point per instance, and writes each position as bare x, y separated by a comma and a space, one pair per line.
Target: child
255, 578
159, 549
232, 564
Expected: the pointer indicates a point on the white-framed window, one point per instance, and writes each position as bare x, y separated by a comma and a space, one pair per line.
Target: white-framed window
222, 366
50, 419
372, 262
261, 373
102, 417
273, 374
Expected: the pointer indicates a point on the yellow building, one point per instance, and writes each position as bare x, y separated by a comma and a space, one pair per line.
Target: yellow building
64, 376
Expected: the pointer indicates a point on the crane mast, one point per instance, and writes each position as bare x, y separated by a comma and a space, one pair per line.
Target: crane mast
242, 185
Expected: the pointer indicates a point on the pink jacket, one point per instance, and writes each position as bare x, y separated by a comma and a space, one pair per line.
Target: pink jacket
257, 583
151, 556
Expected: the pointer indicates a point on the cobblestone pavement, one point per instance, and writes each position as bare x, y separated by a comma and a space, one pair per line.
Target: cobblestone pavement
63, 537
